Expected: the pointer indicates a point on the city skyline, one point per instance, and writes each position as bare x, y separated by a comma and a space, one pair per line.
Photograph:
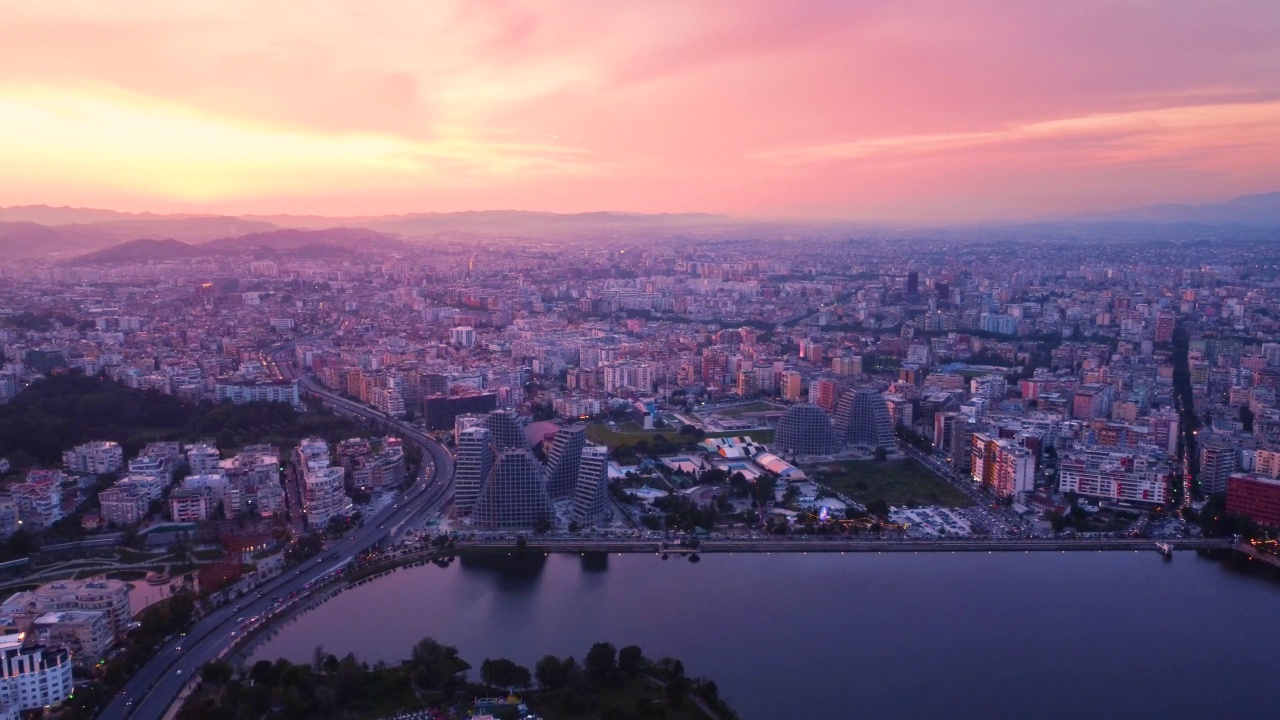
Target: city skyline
875, 112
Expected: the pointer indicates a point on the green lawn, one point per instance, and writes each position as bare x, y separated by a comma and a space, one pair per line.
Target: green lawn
897, 482
755, 406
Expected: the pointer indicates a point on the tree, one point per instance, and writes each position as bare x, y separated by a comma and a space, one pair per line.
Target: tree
263, 672
601, 662
215, 672
677, 690
630, 659
881, 454
436, 665
878, 507
504, 673
553, 673
20, 544
764, 488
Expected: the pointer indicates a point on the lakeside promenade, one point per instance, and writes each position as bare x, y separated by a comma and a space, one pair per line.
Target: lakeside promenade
535, 544
792, 544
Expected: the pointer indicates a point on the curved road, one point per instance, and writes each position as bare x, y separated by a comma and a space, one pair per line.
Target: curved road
150, 692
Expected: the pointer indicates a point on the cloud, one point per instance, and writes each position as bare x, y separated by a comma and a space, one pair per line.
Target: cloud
1118, 137
740, 106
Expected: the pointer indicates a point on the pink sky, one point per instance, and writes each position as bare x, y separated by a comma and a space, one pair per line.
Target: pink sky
895, 110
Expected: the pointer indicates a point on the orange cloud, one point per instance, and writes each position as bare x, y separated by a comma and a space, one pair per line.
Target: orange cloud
913, 109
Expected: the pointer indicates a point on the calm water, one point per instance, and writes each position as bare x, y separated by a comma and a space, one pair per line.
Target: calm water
1046, 635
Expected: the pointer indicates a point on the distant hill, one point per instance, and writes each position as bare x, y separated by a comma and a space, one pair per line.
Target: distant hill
19, 239
312, 243
49, 215
503, 223
294, 239
36, 231
1263, 209
28, 239
141, 251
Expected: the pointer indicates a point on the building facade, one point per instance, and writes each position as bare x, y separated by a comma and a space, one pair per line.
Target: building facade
32, 677
563, 460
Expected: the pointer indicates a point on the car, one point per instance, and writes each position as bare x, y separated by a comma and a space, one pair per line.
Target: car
128, 703
179, 672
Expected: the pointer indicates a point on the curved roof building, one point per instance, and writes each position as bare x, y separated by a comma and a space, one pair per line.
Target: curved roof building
806, 430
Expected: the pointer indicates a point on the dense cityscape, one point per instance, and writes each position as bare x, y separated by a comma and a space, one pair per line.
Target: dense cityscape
774, 393
548, 360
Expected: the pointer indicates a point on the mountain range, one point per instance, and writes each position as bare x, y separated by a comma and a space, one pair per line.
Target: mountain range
330, 241
86, 235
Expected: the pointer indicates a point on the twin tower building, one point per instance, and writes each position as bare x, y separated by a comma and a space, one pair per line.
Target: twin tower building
501, 483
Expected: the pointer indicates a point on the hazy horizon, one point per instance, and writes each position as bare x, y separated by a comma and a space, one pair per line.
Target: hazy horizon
905, 113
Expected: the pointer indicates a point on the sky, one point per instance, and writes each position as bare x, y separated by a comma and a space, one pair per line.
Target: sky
901, 110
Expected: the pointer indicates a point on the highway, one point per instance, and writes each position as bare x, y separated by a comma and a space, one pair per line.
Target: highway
150, 692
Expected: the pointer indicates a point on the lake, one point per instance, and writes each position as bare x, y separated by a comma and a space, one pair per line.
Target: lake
1046, 635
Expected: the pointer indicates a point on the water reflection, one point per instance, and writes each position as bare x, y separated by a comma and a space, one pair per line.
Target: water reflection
595, 562
907, 635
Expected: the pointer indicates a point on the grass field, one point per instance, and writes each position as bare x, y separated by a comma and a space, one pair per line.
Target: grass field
755, 406
630, 433
897, 482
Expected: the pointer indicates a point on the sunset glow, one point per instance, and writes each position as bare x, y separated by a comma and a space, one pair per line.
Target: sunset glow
914, 111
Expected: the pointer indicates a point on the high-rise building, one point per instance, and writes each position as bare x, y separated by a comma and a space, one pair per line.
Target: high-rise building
913, 284
9, 521
791, 385
845, 365
86, 634
39, 499
324, 496
441, 411
1002, 466
825, 394
190, 504
475, 457
806, 430
1218, 459
464, 336
591, 492
312, 452
124, 504
1257, 498
514, 494
32, 677
862, 419
95, 458
1165, 323
563, 460
997, 323
203, 458
1106, 475
246, 391
506, 432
